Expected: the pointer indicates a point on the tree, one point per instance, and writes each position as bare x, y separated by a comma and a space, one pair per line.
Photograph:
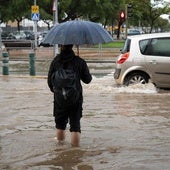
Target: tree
94, 10
17, 10
154, 12
46, 13
147, 13
162, 25
3, 11
105, 12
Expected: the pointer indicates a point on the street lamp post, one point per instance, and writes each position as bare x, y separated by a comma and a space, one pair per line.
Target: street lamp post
0, 42
55, 21
35, 28
126, 14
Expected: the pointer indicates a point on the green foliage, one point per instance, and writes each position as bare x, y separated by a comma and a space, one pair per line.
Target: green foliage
148, 13
3, 11
103, 11
114, 44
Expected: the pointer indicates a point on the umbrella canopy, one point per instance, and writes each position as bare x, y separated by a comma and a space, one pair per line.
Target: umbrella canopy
77, 32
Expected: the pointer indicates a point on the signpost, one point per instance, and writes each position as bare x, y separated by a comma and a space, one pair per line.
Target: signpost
35, 16
35, 8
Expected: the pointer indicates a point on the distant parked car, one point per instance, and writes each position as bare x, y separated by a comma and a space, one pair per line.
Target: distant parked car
41, 37
19, 35
133, 32
8, 36
5, 35
24, 34
143, 58
29, 35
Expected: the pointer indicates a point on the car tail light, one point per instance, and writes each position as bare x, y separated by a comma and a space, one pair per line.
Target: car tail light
123, 58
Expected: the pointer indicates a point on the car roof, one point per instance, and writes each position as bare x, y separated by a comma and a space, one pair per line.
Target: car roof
152, 35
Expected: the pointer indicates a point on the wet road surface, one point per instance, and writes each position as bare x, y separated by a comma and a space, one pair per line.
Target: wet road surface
123, 128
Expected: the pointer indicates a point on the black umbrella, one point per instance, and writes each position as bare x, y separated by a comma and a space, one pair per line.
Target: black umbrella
77, 32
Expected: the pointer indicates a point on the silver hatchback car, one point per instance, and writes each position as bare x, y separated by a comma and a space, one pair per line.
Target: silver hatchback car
144, 57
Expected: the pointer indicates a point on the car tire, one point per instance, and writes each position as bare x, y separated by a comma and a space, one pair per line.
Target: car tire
136, 78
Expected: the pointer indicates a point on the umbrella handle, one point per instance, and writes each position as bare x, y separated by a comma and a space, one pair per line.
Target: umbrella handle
77, 49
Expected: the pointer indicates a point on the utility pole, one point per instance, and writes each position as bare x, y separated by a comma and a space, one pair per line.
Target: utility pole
35, 28
35, 18
55, 21
126, 15
0, 42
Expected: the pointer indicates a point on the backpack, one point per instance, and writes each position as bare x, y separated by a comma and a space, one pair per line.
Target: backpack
65, 86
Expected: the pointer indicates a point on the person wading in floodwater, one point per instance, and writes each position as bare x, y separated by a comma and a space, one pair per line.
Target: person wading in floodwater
64, 79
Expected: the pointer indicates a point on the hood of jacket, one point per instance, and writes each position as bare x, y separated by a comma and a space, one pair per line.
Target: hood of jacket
66, 55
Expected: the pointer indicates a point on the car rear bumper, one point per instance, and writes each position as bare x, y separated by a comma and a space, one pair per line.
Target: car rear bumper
117, 73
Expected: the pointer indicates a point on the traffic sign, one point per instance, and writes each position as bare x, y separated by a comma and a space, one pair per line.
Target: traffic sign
35, 9
122, 16
35, 16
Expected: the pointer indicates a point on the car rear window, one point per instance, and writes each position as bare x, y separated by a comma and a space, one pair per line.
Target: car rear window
155, 46
126, 46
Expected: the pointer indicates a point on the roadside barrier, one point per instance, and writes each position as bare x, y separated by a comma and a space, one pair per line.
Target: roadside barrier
18, 45
5, 65
32, 64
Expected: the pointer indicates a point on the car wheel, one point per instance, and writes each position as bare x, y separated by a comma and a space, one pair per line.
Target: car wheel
136, 78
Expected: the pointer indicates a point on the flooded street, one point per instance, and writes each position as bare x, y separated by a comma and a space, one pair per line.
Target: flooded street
123, 128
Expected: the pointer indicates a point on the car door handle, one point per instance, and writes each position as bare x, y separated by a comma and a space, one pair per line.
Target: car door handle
153, 62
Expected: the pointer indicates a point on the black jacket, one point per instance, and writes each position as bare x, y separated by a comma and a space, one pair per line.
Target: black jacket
68, 57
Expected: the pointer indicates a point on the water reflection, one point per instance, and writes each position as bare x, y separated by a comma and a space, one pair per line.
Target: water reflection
122, 127
65, 160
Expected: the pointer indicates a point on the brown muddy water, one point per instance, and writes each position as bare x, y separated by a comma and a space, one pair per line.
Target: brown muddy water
123, 128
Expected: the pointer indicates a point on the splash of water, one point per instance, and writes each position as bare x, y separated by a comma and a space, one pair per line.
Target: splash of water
107, 84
